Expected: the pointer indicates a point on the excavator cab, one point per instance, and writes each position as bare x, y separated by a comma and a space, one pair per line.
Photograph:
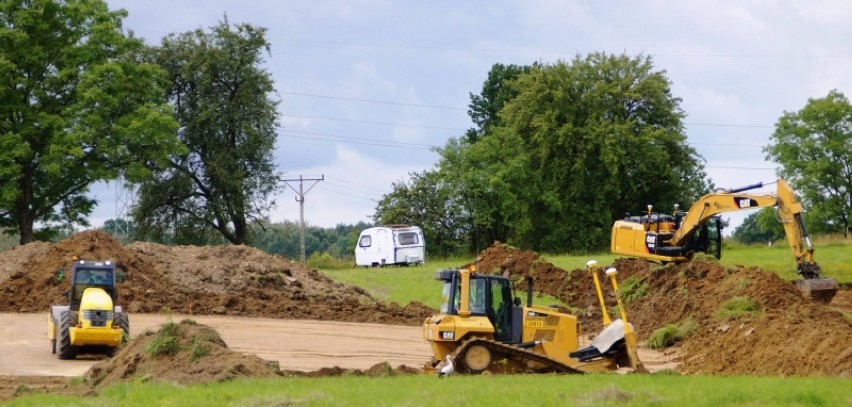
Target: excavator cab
707, 238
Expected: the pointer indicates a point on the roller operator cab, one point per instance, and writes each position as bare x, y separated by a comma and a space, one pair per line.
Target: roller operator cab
482, 327
91, 322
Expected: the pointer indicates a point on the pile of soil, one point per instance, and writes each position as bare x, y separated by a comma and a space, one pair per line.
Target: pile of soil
185, 353
228, 279
789, 335
190, 353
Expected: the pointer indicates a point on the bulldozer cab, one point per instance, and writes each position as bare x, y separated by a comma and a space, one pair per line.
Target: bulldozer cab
489, 296
91, 275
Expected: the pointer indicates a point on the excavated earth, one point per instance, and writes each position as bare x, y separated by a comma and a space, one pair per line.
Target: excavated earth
790, 335
227, 280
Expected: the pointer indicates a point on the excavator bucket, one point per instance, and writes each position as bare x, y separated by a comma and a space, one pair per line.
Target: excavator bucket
818, 289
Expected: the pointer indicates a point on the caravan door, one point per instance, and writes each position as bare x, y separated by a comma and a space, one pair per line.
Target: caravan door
372, 244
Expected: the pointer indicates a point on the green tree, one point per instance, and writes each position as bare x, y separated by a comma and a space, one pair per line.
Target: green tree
760, 227
604, 136
121, 229
428, 202
485, 107
228, 119
77, 105
814, 149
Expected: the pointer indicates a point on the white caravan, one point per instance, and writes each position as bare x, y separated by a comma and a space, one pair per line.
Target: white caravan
390, 245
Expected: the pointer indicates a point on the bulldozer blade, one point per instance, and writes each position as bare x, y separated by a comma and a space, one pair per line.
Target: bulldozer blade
818, 289
633, 354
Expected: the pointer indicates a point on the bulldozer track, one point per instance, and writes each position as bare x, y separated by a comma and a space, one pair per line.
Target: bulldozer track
501, 351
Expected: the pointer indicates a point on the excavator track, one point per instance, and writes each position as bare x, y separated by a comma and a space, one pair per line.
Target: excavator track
499, 351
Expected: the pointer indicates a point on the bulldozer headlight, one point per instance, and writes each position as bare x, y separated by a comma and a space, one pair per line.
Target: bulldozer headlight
448, 335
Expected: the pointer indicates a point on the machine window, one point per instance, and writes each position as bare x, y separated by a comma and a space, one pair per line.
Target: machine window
408, 238
366, 241
477, 296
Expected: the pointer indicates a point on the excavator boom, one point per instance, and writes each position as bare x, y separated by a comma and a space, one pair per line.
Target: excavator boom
676, 238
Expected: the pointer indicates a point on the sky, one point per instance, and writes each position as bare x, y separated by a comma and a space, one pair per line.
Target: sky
367, 88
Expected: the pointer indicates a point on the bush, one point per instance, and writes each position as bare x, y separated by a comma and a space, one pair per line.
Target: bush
325, 261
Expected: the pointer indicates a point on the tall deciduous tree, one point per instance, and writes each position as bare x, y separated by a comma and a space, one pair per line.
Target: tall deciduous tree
228, 119
485, 107
605, 136
77, 105
814, 148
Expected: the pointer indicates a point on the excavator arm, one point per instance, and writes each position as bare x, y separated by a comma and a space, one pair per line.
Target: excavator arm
789, 212
675, 239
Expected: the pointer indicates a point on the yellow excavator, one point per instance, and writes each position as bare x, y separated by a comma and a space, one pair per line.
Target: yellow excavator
482, 328
91, 322
676, 238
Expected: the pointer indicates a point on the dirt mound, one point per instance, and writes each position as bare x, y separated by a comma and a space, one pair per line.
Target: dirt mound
232, 280
185, 353
377, 370
788, 335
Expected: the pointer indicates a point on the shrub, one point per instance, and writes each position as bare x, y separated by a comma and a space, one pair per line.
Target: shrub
325, 261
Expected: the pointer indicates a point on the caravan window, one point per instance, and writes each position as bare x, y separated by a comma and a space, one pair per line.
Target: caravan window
408, 238
366, 241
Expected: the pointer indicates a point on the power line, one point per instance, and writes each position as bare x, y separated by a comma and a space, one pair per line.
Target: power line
369, 142
347, 194
748, 126
372, 122
740, 168
363, 186
388, 102
352, 189
383, 102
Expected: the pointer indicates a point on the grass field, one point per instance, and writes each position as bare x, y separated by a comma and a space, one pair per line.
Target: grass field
492, 391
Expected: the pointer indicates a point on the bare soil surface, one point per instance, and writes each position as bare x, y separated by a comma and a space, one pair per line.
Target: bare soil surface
296, 346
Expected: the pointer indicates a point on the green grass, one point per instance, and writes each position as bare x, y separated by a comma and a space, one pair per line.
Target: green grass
736, 307
406, 284
834, 258
514, 390
672, 333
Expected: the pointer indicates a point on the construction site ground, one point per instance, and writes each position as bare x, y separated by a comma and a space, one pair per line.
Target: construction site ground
280, 311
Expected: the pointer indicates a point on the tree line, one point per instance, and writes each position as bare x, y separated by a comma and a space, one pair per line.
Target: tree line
559, 150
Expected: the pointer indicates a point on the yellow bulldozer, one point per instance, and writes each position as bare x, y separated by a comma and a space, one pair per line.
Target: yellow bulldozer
676, 238
481, 327
91, 323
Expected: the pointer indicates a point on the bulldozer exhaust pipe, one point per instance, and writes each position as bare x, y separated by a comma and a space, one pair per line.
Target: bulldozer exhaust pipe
529, 291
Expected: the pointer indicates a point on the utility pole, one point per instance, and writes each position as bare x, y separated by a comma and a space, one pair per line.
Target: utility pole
300, 198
